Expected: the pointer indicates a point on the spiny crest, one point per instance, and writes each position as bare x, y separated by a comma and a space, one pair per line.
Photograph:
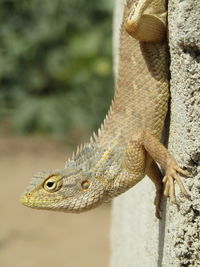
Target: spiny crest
102, 126
83, 152
111, 108
79, 150
94, 136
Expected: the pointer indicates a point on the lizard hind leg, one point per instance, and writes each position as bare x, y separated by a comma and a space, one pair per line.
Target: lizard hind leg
147, 21
156, 176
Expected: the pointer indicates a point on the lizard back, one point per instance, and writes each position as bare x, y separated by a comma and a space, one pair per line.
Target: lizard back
142, 93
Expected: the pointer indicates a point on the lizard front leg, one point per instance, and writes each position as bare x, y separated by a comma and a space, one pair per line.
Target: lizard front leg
161, 155
132, 168
135, 164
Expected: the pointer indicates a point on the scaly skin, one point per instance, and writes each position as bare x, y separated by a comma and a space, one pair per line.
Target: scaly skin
127, 146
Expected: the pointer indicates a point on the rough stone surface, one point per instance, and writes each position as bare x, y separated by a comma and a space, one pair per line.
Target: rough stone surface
182, 234
138, 239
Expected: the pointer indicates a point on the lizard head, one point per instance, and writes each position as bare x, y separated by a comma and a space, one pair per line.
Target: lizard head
68, 190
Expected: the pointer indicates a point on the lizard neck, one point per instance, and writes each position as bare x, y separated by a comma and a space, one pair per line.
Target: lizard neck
107, 166
96, 158
97, 161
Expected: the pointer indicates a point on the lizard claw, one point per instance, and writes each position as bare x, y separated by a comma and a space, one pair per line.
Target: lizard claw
158, 211
168, 180
178, 169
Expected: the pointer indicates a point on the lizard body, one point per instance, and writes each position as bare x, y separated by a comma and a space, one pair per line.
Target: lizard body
127, 146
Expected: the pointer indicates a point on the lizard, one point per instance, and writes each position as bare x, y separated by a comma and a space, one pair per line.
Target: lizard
127, 146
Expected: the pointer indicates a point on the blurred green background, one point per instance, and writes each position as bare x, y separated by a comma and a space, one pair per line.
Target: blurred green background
55, 65
56, 87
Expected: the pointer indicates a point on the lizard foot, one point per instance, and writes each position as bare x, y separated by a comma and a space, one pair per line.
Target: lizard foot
171, 175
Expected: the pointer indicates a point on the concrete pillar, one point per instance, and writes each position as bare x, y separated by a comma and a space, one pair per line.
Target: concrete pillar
182, 233
137, 237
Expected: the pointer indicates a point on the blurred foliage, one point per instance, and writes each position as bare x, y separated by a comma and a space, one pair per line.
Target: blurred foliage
55, 64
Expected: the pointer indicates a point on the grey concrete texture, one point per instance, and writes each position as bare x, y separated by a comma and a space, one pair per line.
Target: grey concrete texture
137, 237
182, 233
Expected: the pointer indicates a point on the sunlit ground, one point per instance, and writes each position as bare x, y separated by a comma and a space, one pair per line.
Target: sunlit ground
31, 238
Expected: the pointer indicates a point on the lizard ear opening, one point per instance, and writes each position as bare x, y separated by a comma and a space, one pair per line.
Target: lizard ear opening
85, 184
53, 184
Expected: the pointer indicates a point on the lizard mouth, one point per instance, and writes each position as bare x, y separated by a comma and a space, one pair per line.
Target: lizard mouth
23, 199
34, 202
26, 201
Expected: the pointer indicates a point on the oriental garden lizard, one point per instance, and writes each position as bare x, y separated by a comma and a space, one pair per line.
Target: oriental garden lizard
127, 146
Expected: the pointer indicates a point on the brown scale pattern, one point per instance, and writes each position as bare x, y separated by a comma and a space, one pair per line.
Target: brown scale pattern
142, 93
129, 140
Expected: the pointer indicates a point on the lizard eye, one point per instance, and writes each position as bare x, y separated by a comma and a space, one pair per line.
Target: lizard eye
85, 184
53, 184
